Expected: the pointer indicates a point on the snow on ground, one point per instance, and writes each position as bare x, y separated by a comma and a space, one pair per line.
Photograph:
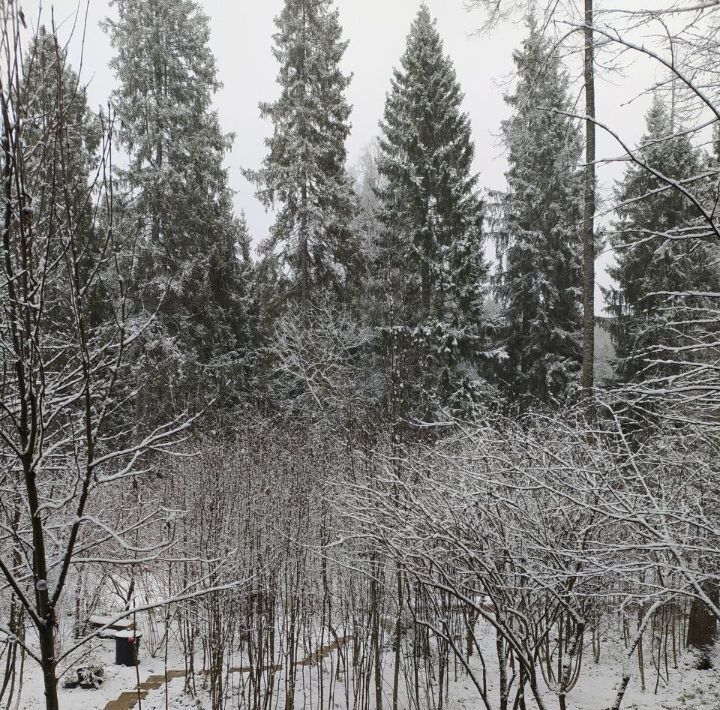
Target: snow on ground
118, 679
688, 689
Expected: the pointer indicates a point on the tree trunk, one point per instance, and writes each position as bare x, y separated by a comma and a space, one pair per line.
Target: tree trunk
588, 233
502, 665
375, 634
47, 652
304, 258
702, 624
398, 642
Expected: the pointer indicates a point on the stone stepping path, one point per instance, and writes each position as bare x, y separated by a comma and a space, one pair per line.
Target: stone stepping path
129, 699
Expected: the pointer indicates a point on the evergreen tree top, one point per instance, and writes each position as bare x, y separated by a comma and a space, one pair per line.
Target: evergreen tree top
539, 245
424, 124
543, 139
425, 55
667, 149
424, 23
664, 145
303, 173
163, 56
311, 115
658, 119
653, 254
46, 71
542, 79
430, 204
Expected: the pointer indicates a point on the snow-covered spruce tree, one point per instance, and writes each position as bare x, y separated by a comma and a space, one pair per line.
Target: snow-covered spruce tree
656, 253
304, 173
187, 262
539, 278
429, 255
47, 80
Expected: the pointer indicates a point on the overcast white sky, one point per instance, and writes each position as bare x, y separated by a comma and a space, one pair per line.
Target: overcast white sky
376, 29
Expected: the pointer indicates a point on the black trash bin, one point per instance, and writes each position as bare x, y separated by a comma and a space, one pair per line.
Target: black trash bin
127, 644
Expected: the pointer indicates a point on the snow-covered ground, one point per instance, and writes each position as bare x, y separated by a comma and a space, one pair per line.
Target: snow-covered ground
118, 679
688, 689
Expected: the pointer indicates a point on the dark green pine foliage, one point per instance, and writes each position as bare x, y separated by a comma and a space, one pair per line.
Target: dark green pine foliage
53, 98
656, 254
304, 174
540, 247
429, 256
189, 263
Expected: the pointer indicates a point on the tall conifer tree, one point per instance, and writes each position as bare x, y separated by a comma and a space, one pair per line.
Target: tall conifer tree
304, 173
52, 93
655, 252
430, 249
188, 258
540, 249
